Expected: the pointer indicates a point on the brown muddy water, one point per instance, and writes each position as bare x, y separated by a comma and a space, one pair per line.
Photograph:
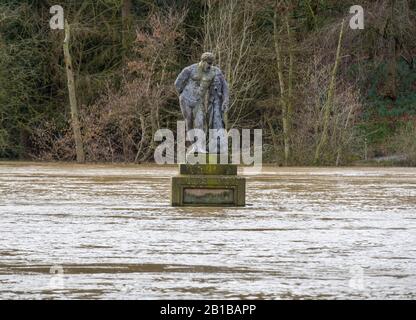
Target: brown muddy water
108, 232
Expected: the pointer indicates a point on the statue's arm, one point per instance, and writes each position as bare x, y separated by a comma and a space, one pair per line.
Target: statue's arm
225, 93
182, 80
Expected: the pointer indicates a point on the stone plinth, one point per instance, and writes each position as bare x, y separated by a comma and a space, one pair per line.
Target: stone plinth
208, 185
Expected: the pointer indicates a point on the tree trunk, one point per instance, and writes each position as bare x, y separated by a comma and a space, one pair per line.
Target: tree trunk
329, 100
126, 19
289, 98
285, 97
72, 97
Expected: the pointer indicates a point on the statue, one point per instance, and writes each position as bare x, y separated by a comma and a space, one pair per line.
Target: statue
218, 106
203, 98
202, 88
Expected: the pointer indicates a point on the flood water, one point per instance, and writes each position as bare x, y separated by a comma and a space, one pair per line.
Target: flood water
72, 231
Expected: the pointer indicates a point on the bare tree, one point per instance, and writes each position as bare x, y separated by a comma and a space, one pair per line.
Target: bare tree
286, 94
229, 28
72, 96
328, 106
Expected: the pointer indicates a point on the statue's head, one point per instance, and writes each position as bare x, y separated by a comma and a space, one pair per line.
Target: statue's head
207, 59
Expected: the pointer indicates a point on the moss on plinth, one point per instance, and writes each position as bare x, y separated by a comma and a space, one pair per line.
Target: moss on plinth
208, 169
